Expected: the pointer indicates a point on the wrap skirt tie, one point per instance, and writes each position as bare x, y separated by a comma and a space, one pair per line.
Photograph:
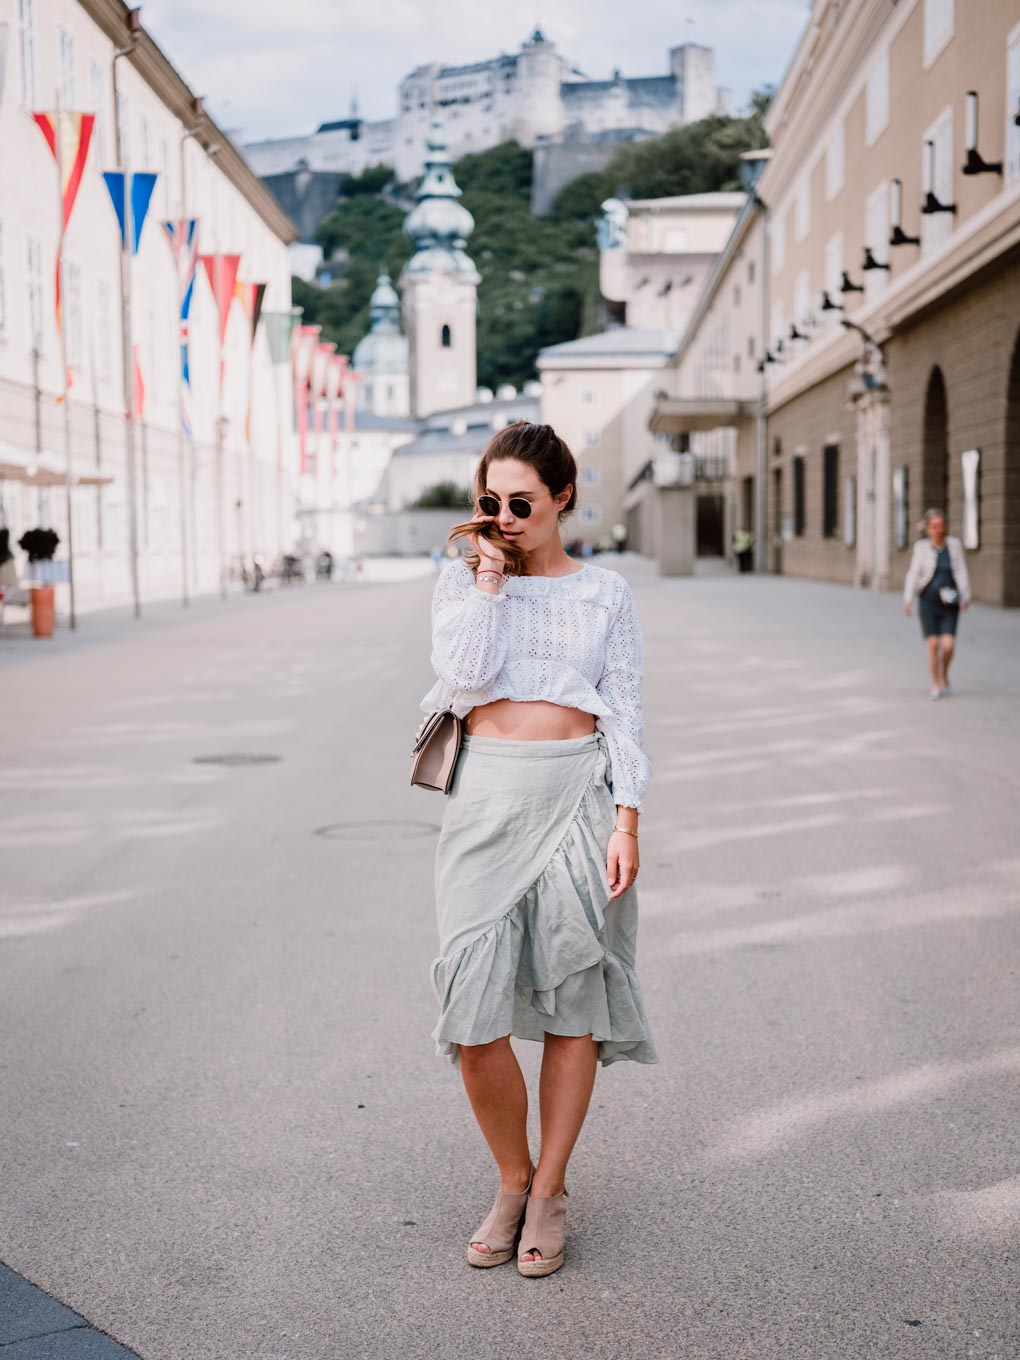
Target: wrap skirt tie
530, 942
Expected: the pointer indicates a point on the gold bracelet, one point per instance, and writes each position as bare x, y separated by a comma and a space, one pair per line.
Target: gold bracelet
626, 832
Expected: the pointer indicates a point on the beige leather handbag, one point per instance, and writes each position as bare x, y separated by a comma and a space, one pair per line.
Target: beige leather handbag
436, 746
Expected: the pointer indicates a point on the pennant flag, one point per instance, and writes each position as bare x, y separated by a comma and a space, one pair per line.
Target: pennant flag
251, 296
68, 136
304, 342
334, 386
321, 361
279, 328
182, 237
139, 399
142, 185
222, 270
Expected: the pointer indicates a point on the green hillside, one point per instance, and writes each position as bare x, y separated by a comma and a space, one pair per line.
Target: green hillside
539, 274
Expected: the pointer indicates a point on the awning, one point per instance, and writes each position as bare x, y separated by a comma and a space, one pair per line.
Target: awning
684, 415
42, 469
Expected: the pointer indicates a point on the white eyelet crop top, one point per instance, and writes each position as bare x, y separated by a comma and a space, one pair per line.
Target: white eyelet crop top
572, 640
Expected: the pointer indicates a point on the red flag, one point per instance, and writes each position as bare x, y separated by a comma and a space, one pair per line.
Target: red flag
139, 401
303, 348
226, 276
68, 136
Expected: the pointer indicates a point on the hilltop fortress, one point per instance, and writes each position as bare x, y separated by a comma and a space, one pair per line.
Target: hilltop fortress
535, 97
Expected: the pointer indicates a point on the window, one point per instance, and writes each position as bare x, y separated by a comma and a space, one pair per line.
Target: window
833, 279
877, 99
74, 339
151, 369
104, 331
830, 490
938, 27
876, 238
750, 346
736, 295
591, 514
146, 145
26, 52
778, 324
1013, 106
591, 437
3, 293
164, 175
798, 494
835, 157
802, 317
446, 338
34, 290
750, 271
125, 129
99, 109
937, 177
779, 244
802, 208
587, 396
68, 99
591, 475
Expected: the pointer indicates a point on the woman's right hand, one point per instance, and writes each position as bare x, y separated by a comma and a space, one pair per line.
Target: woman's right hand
489, 554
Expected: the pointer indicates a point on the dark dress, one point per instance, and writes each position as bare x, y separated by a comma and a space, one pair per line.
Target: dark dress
937, 618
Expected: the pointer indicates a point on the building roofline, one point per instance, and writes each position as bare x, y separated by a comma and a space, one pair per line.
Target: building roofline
156, 69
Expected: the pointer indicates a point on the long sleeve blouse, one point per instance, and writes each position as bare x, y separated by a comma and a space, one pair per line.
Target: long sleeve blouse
572, 640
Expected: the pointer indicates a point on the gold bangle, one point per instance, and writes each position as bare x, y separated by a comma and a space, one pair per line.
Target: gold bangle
626, 832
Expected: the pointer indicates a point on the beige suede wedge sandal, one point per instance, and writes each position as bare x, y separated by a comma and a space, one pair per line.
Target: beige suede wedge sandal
499, 1231
543, 1231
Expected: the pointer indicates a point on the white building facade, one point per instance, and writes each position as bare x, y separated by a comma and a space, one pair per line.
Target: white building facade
203, 503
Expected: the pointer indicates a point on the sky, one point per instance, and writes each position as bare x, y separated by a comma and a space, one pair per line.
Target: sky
272, 70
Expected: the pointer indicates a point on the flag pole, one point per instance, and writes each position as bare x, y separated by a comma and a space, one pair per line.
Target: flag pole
127, 350
62, 328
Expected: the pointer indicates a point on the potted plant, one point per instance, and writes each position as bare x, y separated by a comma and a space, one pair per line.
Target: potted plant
41, 546
743, 549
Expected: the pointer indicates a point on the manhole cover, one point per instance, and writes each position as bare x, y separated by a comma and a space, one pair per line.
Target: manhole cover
236, 758
375, 831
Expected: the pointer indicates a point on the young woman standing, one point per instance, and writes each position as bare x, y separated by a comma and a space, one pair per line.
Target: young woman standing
538, 853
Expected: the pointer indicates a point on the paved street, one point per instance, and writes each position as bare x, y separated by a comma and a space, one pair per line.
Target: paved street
225, 1135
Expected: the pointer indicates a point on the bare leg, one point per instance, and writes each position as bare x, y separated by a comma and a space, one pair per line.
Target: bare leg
933, 661
948, 647
499, 1098
569, 1064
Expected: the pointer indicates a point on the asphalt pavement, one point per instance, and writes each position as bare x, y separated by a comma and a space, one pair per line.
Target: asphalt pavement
225, 1135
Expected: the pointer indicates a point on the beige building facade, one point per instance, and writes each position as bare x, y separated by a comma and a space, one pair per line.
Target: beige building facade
892, 203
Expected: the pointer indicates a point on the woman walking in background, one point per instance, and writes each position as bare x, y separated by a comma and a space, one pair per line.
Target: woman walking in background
538, 852
938, 577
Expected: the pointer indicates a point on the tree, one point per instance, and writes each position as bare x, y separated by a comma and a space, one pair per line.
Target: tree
443, 496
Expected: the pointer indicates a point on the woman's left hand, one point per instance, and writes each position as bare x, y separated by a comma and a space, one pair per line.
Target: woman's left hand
622, 862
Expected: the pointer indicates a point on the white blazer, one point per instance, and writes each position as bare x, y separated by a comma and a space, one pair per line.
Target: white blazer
922, 568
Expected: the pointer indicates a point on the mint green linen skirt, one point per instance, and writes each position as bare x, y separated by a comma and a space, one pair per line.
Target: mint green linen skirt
530, 943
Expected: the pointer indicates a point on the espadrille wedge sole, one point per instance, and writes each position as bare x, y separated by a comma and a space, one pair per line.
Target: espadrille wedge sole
499, 1231
543, 1231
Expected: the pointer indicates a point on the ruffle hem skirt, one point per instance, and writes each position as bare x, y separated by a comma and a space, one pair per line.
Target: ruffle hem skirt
529, 940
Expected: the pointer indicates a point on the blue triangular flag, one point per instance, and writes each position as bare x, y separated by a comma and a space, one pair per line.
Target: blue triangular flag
142, 186
115, 184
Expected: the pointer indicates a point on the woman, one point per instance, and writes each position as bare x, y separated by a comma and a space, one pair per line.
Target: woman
937, 575
538, 852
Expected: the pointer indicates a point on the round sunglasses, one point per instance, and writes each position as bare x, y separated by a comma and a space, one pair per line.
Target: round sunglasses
519, 508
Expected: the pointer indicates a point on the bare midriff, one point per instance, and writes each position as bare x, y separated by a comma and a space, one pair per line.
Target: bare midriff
528, 720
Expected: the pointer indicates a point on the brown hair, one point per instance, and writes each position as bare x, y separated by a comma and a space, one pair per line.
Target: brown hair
541, 448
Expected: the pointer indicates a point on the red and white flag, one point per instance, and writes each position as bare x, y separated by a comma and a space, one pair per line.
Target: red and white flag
68, 136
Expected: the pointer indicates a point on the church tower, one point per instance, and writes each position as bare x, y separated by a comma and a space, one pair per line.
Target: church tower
439, 285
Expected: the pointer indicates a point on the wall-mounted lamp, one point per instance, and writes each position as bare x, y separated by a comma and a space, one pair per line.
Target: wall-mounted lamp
870, 262
828, 305
975, 164
847, 286
779, 348
899, 237
795, 334
932, 204
1016, 116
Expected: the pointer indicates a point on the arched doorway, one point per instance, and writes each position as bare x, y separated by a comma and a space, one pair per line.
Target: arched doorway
935, 450
1011, 517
